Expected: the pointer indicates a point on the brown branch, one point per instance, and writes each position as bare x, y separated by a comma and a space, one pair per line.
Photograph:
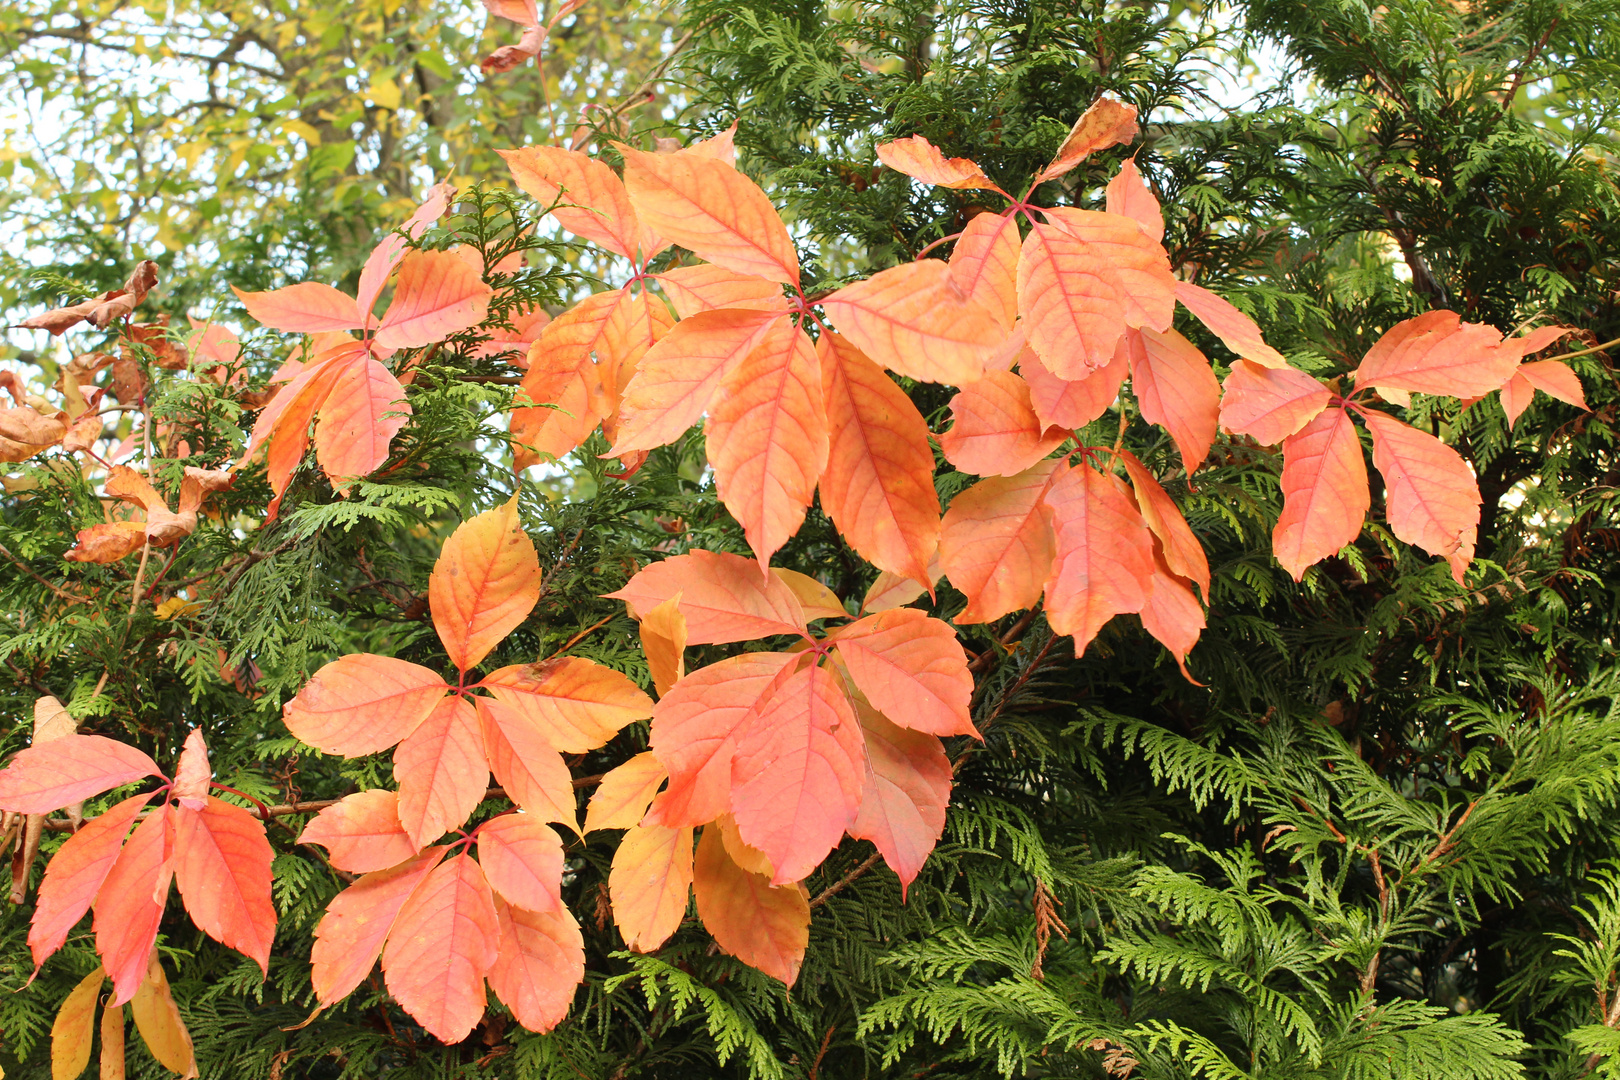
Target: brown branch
643, 93
71, 598
844, 882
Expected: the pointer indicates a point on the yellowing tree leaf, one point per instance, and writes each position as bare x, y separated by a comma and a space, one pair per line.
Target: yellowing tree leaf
818, 601
112, 1043
522, 859
1325, 496
995, 430
361, 832
158, 1020
1104, 554
592, 202
539, 963
437, 294
442, 943
362, 704
620, 801
997, 545
663, 640
1177, 390
574, 703
485, 583
1270, 404
634, 327
649, 883
878, 486
724, 597
74, 1027
441, 772
712, 210
1433, 499
562, 373
914, 320
889, 591
764, 926
1106, 123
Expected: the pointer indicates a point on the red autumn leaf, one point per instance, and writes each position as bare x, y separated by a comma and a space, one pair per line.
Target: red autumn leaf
130, 904
798, 771
358, 920
1270, 403
442, 944
575, 704
222, 868
878, 486
362, 704
912, 669
539, 962
1176, 389
484, 584
437, 294
678, 378
913, 319
908, 784
1551, 377
193, 774
592, 201
1438, 353
526, 766
649, 883
712, 210
1433, 499
984, 265
441, 772
523, 861
1236, 330
1325, 496
1172, 615
706, 287
1104, 554
723, 597
1182, 553
997, 545
1129, 196
361, 832
307, 308
1106, 123
764, 926
75, 874
695, 730
1073, 404
995, 431
58, 773
620, 801
922, 160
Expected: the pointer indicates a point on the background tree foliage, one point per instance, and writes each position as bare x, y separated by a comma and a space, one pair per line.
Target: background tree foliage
1377, 841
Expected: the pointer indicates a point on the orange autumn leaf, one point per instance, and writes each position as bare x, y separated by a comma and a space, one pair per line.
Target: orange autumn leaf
130, 903
575, 704
984, 265
443, 942
1172, 615
362, 704
540, 960
878, 486
908, 785
633, 328
308, 308
922, 160
222, 869
708, 207
912, 669
663, 640
1180, 549
1270, 404
1176, 389
592, 201
1137, 266
1236, 330
816, 600
997, 544
1069, 300
364, 409
1324, 487
436, 294
1068, 403
484, 584
522, 859
1106, 123
724, 597
763, 925
914, 320
1434, 500
1552, 377
158, 1020
75, 875
1104, 559
59, 772
441, 772
649, 883
525, 764
350, 936
995, 431
1129, 196
361, 832
620, 801
1438, 353
705, 287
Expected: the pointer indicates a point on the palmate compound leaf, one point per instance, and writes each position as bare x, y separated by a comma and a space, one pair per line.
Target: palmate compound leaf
767, 438
798, 771
1434, 500
522, 858
1073, 404
1270, 403
222, 869
575, 704
922, 160
363, 704
441, 771
908, 785
878, 486
484, 584
350, 936
723, 597
593, 203
540, 961
995, 431
361, 832
75, 875
695, 731
130, 903
914, 320
679, 377
1551, 377
708, 207
442, 944
997, 544
1236, 330
1104, 560
1177, 390
984, 265
649, 883
50, 775
1438, 353
384, 258
912, 668
1325, 495
765, 926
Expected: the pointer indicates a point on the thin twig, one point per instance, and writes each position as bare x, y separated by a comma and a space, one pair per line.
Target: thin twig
645, 89
844, 882
29, 570
1586, 352
581, 636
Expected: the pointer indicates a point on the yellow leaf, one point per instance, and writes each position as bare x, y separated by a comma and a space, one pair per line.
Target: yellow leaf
304, 131
158, 1021
174, 607
385, 92
112, 1043
70, 1034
